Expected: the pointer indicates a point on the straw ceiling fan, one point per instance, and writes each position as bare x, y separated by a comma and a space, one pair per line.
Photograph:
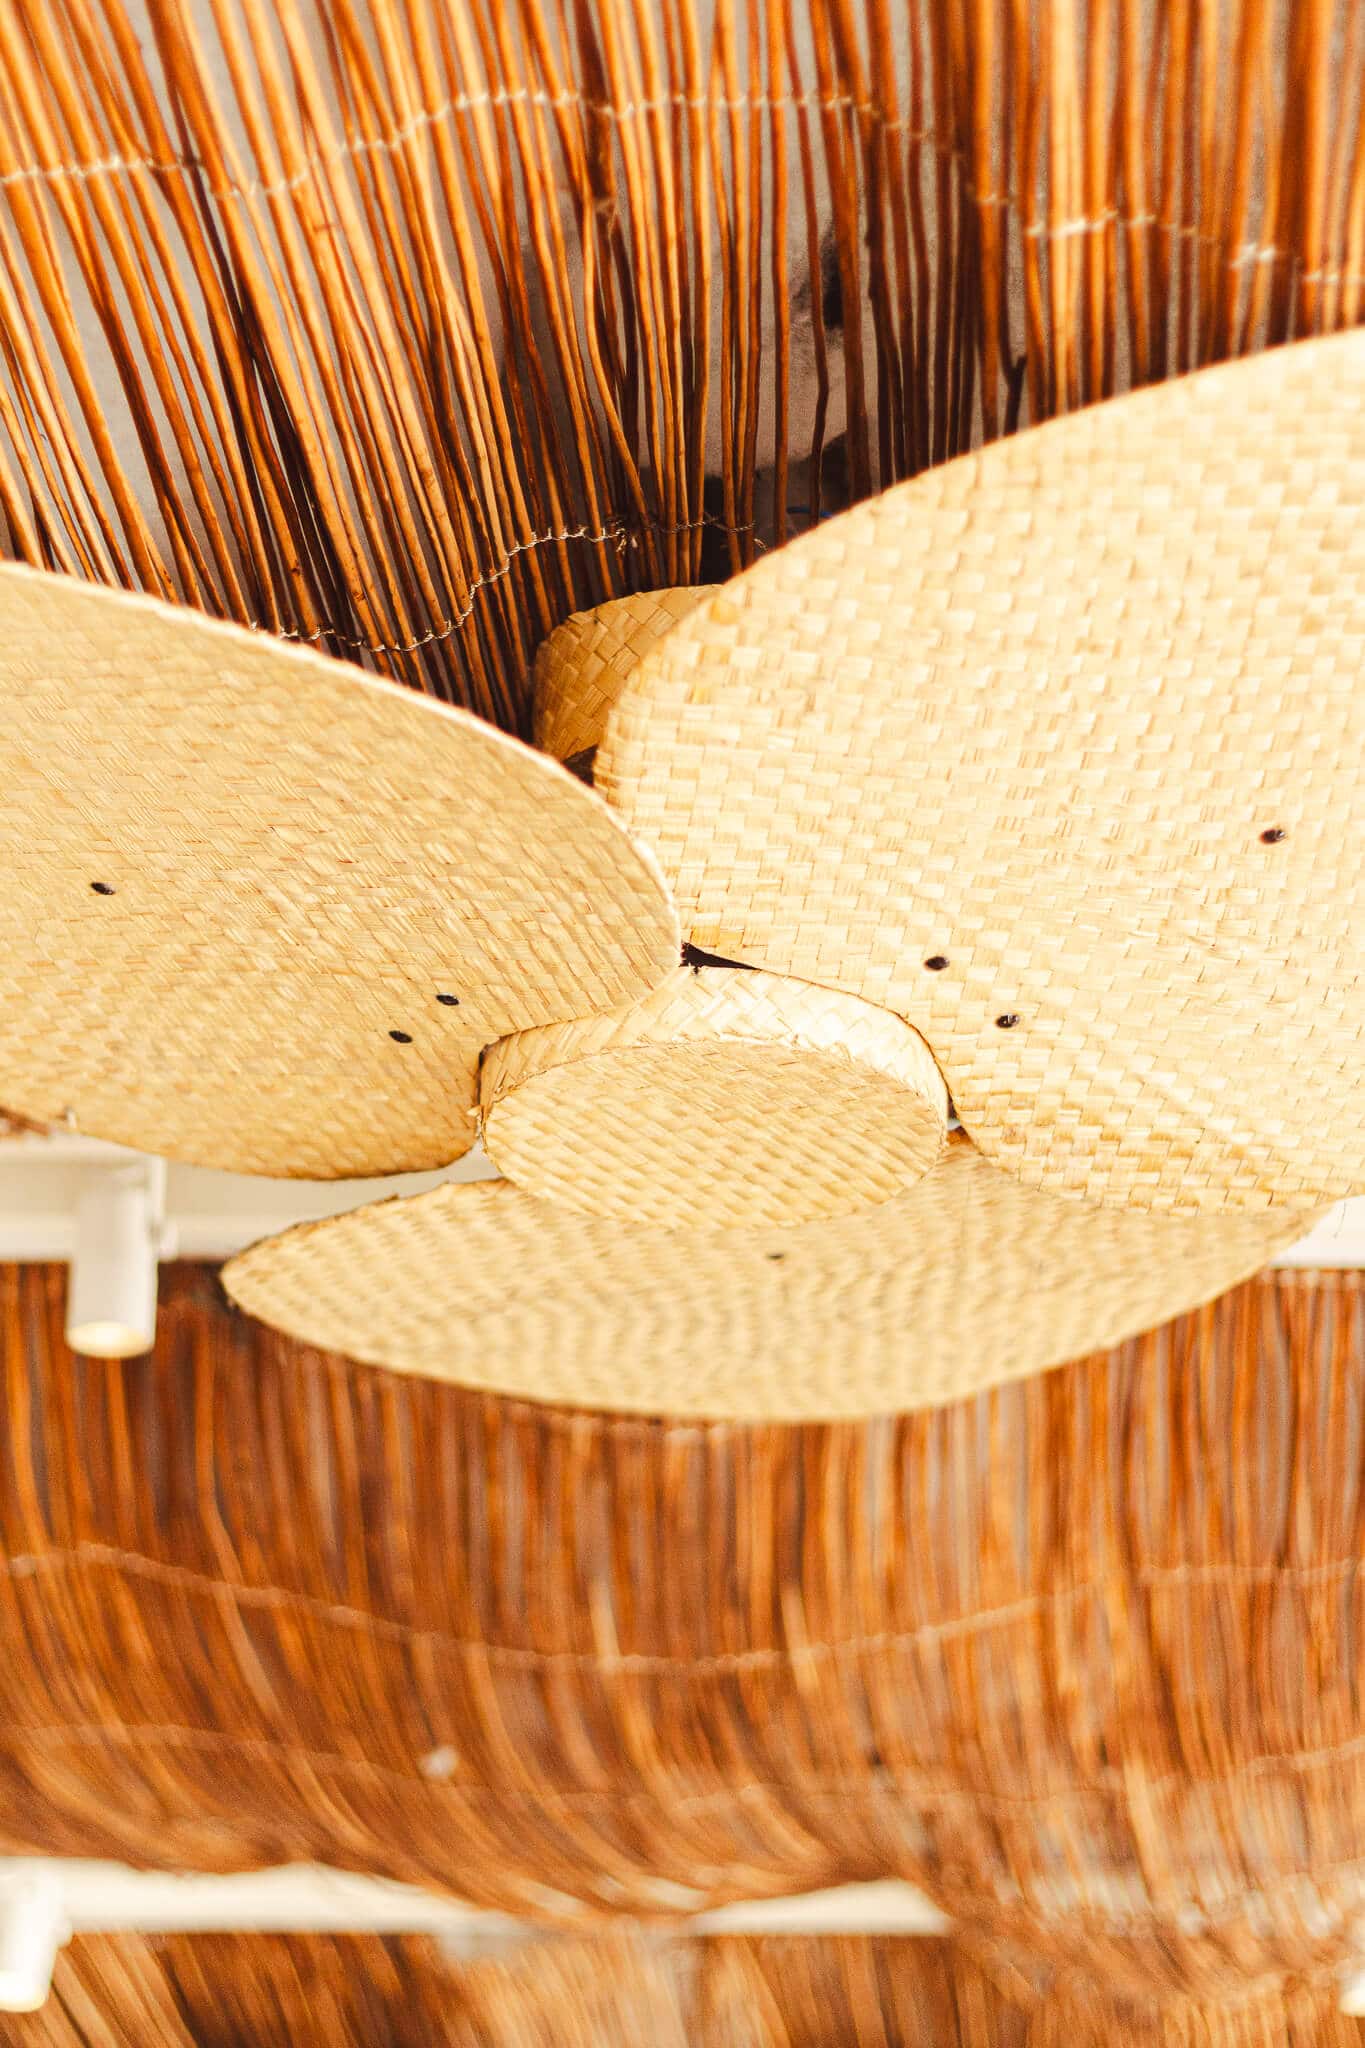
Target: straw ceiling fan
1028, 789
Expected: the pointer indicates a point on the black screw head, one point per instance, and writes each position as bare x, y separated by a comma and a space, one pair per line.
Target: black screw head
936, 963
777, 1255
103, 888
1008, 1021
401, 1037
451, 1002
1273, 834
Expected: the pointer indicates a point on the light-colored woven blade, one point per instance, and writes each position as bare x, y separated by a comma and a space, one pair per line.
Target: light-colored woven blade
263, 912
582, 668
721, 1098
1059, 751
968, 1279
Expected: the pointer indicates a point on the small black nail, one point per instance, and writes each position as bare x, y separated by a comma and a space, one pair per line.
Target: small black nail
1273, 834
401, 1037
451, 1002
103, 888
777, 1255
1008, 1021
936, 963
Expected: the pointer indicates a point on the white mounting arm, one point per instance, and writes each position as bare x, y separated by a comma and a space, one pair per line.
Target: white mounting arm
45, 1900
120, 1236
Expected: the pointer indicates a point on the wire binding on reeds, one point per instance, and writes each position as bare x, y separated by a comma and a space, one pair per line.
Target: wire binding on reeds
407, 331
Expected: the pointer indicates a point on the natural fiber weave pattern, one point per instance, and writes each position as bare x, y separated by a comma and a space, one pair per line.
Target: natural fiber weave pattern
1059, 752
583, 666
962, 1281
1082, 1658
263, 912
408, 329
720, 1099
283, 1991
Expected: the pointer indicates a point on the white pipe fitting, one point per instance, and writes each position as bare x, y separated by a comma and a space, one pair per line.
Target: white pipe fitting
111, 1297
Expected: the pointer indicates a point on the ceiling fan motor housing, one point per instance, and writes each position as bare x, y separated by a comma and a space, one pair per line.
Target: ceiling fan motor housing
721, 1098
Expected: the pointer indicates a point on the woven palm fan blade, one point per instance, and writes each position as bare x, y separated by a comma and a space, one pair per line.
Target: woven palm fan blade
261, 911
1058, 752
966, 1279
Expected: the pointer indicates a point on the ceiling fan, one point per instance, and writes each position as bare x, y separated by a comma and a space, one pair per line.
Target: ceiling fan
1011, 823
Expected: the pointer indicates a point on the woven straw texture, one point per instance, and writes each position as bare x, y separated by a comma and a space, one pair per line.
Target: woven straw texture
234, 871
292, 1991
967, 1279
1059, 751
582, 668
721, 1098
1081, 1658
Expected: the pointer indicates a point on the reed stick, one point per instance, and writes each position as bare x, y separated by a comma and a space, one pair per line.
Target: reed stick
406, 329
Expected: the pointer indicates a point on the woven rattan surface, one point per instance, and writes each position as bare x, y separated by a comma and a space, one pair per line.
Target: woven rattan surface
720, 1098
1059, 751
967, 1279
263, 912
582, 668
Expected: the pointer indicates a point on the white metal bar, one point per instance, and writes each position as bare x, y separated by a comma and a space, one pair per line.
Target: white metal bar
309, 1898
45, 1900
887, 1907
212, 1215
1352, 2000
208, 1215
1338, 1240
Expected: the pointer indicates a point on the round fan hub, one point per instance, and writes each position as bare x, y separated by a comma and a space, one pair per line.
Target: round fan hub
723, 1098
585, 664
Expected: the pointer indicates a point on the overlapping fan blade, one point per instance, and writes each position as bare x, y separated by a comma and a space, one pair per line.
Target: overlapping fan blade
721, 1100
966, 1279
1059, 752
260, 911
581, 667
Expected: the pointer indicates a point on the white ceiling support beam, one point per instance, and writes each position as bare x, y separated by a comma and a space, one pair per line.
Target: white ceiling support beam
1352, 2001
1338, 1240
214, 1215
45, 1900
208, 1215
886, 1907
33, 1926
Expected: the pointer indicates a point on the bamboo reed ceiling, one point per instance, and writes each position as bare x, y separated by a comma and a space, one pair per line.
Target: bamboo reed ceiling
1081, 1657
404, 329
281, 1992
